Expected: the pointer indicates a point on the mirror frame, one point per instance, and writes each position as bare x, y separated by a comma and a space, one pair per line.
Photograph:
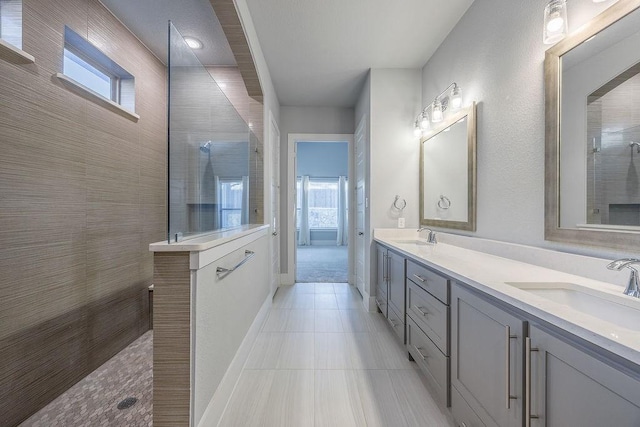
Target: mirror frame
470, 224
617, 240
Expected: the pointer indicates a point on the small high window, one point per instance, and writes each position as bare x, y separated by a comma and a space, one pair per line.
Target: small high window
88, 66
11, 22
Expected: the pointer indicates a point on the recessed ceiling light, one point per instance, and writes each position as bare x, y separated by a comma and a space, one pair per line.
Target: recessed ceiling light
193, 42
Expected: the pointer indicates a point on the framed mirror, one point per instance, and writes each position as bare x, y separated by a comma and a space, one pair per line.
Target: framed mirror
592, 162
448, 172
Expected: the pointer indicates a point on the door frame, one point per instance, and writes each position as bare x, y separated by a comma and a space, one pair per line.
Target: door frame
274, 152
293, 138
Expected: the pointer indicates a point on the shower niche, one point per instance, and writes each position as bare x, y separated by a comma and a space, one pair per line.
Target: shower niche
214, 154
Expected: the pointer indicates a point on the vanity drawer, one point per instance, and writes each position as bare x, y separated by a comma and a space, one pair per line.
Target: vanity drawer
430, 314
396, 322
430, 359
432, 282
462, 412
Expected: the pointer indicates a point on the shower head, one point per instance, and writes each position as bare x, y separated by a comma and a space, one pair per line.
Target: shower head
635, 144
206, 147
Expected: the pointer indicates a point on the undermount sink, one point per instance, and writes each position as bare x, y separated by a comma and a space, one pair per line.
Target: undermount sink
411, 241
620, 310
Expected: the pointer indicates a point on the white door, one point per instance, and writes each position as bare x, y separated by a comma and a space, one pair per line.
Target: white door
274, 138
360, 158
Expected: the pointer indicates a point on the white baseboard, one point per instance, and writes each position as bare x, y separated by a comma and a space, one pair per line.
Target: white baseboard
213, 414
369, 302
287, 279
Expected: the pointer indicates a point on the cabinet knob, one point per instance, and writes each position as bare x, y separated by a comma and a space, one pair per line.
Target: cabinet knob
360, 233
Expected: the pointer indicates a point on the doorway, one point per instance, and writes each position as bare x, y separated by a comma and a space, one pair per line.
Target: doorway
320, 227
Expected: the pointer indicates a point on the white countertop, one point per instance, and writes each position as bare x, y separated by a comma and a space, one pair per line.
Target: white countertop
207, 240
490, 274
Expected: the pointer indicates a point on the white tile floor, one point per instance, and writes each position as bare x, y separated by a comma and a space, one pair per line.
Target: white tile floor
322, 360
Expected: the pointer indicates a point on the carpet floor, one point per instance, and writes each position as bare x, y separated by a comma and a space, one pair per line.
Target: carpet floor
322, 264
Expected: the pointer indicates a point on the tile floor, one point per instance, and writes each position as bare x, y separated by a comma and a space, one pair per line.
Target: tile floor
322, 360
93, 401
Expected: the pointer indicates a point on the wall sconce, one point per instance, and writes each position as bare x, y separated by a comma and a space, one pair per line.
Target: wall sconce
446, 100
555, 21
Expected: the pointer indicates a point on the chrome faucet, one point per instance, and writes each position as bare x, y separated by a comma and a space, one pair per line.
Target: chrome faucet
633, 287
431, 238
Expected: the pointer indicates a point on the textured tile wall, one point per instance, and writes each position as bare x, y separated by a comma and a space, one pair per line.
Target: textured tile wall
82, 194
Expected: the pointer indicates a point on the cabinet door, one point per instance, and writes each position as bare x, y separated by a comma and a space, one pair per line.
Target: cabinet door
572, 388
381, 279
396, 276
487, 354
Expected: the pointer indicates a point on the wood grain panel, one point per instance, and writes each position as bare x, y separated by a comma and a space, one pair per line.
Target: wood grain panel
82, 194
227, 14
172, 339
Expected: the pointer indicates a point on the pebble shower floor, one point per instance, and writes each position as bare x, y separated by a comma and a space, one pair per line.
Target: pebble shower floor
94, 401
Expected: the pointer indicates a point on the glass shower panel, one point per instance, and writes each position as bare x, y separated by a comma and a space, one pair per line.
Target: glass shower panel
210, 148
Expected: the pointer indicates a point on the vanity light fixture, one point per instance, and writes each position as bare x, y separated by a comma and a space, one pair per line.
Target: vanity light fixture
424, 121
555, 21
193, 42
436, 111
456, 98
449, 99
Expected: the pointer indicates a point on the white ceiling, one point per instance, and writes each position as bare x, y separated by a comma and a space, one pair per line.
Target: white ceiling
148, 21
318, 52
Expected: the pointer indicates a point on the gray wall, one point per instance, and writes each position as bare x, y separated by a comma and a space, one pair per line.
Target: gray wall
496, 55
323, 159
317, 120
390, 100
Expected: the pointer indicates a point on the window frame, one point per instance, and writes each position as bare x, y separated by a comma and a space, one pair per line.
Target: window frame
329, 180
93, 57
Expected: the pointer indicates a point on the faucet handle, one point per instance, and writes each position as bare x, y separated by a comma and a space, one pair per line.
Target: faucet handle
619, 264
432, 237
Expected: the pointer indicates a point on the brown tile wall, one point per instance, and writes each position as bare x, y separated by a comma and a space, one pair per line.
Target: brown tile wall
82, 194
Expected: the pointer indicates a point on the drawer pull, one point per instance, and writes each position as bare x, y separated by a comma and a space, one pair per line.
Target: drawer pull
527, 381
419, 278
508, 338
423, 356
422, 311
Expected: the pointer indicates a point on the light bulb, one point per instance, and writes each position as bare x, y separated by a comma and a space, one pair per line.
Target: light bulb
456, 98
424, 121
417, 132
193, 42
436, 113
555, 21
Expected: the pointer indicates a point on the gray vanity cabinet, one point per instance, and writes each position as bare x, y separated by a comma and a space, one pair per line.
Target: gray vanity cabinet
570, 387
390, 290
396, 275
381, 279
486, 360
